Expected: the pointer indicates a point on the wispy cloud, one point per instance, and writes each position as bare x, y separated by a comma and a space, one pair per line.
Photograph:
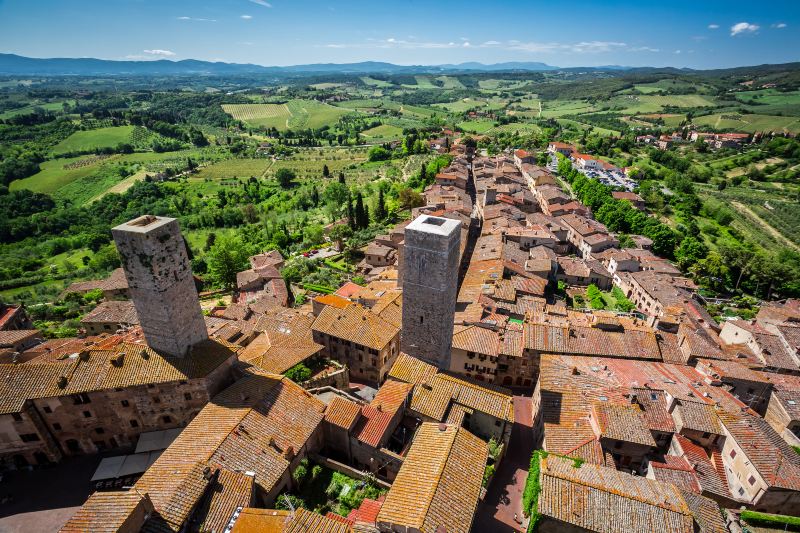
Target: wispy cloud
713, 26
160, 53
196, 19
644, 49
262, 3
584, 47
779, 25
247, 17
743, 28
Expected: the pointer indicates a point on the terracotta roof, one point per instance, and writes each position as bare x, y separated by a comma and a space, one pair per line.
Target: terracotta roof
622, 422
125, 365
108, 512
476, 339
256, 425
775, 461
677, 471
348, 289
342, 412
229, 491
333, 300
392, 395
439, 482
10, 337
371, 428
277, 352
710, 479
275, 521
120, 312
698, 417
356, 324
598, 498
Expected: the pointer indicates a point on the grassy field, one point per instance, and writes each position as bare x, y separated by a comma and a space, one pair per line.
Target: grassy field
372, 82
235, 168
92, 139
558, 108
749, 123
266, 115
516, 127
312, 114
476, 126
47, 106
655, 103
449, 82
384, 132
57, 173
583, 126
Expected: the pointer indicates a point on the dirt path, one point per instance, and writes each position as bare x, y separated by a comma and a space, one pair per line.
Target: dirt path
749, 213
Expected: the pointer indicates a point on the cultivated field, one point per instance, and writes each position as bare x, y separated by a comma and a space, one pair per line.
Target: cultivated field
749, 123
81, 141
266, 115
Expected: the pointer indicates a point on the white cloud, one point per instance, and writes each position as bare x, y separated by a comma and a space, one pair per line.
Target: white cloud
779, 25
247, 17
584, 47
743, 28
713, 26
677, 52
261, 3
161, 53
196, 19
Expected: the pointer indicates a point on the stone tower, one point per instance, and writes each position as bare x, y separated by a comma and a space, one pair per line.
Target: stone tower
430, 286
161, 285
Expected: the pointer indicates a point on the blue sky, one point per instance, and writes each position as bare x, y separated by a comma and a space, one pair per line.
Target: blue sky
698, 34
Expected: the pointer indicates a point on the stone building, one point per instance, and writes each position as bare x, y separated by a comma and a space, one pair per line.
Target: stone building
430, 284
160, 282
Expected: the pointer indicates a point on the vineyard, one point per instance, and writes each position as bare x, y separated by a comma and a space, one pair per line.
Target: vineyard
266, 115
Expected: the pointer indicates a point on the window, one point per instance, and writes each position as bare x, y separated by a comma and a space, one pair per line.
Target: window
99, 431
741, 491
420, 319
57, 426
125, 403
751, 480
87, 414
497, 423
706, 435
47, 409
82, 398
134, 424
17, 417
733, 454
29, 437
187, 396
156, 399
167, 419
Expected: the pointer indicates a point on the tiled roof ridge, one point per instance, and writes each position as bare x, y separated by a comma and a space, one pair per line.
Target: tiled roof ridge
684, 509
440, 466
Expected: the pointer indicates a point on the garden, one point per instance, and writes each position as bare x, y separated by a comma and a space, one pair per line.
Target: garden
321, 489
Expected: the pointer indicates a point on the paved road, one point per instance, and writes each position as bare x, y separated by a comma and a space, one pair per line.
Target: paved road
504, 498
45, 499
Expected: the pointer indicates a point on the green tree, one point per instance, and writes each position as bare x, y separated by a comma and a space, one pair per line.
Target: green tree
360, 212
326, 173
690, 252
340, 233
285, 177
336, 197
380, 207
378, 153
225, 259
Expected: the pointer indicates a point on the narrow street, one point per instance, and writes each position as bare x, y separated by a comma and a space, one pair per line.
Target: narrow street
504, 499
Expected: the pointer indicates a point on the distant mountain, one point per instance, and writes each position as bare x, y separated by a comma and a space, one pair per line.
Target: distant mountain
11, 64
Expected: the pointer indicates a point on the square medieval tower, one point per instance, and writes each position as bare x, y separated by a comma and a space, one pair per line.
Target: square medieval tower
430, 286
161, 284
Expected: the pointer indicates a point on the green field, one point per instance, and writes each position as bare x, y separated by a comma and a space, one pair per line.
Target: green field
47, 106
312, 114
559, 108
449, 82
372, 82
749, 123
57, 173
84, 141
383, 132
655, 103
476, 126
266, 115
235, 168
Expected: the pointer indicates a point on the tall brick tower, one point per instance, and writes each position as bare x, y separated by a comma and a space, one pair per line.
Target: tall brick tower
430, 286
161, 285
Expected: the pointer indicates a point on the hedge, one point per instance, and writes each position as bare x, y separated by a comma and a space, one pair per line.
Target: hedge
777, 521
530, 495
318, 288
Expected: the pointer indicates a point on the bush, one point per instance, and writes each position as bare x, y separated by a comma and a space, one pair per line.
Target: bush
296, 502
776, 521
298, 373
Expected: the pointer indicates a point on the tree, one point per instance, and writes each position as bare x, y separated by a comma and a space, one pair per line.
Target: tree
423, 174
340, 233
285, 177
409, 199
226, 258
326, 173
210, 240
341, 178
380, 207
690, 252
378, 153
336, 197
360, 212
